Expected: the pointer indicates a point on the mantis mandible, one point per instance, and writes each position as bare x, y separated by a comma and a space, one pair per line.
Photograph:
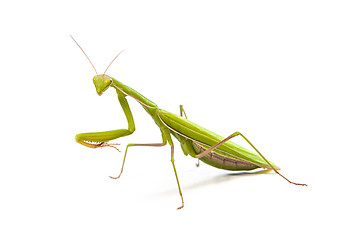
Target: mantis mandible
195, 140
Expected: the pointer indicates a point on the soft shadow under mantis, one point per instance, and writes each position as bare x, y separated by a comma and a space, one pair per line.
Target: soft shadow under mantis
226, 177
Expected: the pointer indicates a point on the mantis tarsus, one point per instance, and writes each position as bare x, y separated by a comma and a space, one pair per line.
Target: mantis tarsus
195, 140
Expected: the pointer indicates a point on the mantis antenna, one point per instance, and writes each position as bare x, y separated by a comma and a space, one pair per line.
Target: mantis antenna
86, 55
113, 61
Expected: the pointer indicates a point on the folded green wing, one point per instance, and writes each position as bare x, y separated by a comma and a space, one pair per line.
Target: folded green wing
199, 134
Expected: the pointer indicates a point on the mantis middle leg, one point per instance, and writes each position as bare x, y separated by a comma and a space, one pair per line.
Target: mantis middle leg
177, 179
139, 145
167, 137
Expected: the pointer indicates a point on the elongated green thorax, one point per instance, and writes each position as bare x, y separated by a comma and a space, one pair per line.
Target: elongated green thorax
128, 91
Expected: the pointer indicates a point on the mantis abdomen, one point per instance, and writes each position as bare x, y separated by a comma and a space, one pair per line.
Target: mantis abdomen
223, 160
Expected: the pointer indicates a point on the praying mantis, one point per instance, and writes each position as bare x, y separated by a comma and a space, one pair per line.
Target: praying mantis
195, 140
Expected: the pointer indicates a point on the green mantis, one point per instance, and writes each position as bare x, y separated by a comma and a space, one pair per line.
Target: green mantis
195, 140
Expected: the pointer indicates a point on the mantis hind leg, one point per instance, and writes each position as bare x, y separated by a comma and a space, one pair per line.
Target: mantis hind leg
237, 134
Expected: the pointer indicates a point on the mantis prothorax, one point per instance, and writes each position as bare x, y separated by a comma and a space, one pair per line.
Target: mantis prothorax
195, 140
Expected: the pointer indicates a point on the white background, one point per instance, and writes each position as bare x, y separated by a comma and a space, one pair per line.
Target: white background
284, 73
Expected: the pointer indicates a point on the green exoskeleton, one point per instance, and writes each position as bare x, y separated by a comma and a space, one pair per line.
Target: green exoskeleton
195, 140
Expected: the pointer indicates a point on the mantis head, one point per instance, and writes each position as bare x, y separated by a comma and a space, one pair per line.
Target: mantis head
102, 82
